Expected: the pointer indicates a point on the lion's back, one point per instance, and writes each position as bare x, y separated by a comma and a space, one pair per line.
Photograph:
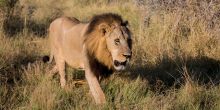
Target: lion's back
63, 22
67, 40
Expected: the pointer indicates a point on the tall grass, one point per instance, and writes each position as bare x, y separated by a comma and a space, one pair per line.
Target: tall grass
175, 63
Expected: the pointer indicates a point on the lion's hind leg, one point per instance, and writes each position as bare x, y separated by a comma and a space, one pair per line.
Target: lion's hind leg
51, 57
53, 71
61, 69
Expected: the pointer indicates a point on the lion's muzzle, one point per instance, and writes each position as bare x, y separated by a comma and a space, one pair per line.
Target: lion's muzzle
120, 66
118, 63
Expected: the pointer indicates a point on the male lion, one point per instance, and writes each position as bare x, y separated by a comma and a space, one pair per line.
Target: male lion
99, 47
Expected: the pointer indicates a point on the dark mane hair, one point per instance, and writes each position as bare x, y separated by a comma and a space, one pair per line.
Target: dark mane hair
107, 18
99, 56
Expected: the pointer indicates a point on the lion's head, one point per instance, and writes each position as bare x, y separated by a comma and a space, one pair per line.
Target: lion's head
109, 41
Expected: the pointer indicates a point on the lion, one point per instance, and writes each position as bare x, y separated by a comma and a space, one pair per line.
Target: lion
100, 47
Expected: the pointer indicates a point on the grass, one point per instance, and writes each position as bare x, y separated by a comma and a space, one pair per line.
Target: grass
175, 63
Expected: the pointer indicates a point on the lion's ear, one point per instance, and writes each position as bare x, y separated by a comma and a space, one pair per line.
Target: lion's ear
104, 28
125, 23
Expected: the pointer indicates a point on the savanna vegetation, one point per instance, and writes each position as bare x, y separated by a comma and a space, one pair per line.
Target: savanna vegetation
175, 63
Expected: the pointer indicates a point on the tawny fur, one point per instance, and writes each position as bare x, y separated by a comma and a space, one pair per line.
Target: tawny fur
83, 46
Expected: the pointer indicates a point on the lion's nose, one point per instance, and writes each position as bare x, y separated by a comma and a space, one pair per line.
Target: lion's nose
127, 54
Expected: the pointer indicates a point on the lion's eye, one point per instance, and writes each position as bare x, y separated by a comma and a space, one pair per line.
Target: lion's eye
117, 41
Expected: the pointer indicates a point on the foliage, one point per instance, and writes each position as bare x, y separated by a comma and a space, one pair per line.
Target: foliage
175, 62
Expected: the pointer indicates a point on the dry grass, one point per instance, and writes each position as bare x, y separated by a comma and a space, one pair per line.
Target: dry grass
176, 60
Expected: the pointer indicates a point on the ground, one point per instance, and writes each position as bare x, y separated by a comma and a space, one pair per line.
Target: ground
175, 63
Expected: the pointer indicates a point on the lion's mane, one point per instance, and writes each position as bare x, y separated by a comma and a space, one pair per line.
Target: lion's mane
99, 56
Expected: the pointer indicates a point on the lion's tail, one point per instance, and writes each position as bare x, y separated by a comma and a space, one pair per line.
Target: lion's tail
48, 59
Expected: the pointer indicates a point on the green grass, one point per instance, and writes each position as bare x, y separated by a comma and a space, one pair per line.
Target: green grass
175, 63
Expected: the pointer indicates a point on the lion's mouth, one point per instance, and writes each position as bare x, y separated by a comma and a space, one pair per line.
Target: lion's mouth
120, 65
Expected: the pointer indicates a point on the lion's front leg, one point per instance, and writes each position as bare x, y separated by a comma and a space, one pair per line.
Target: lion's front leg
95, 88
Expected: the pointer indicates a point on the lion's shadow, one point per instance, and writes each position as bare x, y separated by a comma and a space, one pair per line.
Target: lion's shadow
173, 73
